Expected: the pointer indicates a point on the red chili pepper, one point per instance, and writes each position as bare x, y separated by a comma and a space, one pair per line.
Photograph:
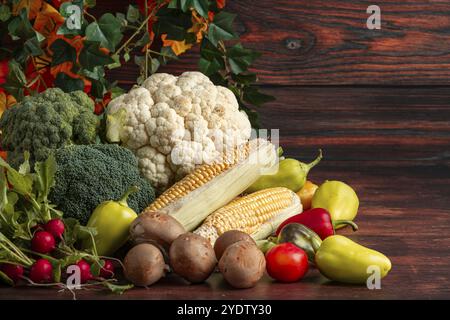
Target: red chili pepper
318, 220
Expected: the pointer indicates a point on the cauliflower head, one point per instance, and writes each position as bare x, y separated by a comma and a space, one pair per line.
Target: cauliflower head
45, 122
173, 124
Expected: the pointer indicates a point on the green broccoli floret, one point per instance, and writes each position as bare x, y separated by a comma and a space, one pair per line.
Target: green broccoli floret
88, 175
48, 121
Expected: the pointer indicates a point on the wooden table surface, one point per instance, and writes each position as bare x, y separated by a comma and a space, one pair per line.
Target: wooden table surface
378, 104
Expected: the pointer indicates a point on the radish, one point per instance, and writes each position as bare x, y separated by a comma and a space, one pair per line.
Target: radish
13, 271
85, 271
43, 242
41, 271
108, 270
55, 227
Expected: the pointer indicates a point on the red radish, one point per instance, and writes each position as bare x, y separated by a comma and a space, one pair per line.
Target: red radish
108, 270
55, 227
43, 242
41, 271
13, 271
85, 271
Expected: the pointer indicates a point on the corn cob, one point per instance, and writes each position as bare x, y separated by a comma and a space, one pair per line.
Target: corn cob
211, 186
257, 214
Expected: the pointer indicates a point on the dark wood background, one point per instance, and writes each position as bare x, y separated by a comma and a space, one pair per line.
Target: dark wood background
378, 104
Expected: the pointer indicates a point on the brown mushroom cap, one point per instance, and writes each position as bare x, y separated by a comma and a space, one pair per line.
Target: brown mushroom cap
192, 257
228, 238
242, 264
144, 265
155, 227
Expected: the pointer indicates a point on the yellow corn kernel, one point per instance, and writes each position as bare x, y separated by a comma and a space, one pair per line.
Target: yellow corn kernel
250, 212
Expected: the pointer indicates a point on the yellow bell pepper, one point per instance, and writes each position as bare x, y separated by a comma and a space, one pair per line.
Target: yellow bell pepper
338, 198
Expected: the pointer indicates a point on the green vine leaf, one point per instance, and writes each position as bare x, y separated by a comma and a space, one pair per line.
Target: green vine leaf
222, 28
208, 67
62, 52
67, 83
240, 58
91, 56
107, 31
256, 98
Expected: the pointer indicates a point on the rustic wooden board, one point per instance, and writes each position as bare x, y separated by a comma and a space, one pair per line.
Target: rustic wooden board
392, 145
326, 42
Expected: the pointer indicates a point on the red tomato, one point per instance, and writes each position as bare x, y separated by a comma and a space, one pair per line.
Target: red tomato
286, 262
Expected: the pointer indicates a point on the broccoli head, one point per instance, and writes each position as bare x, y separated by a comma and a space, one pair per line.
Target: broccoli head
87, 175
48, 121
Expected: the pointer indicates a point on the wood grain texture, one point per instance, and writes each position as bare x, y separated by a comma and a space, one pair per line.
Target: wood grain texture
326, 42
392, 145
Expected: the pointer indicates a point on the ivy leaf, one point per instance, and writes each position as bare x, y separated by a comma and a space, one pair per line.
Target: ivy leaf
91, 56
20, 27
62, 52
240, 58
221, 28
5, 13
132, 14
98, 88
256, 98
209, 51
245, 78
201, 6
16, 80
107, 31
208, 67
154, 65
67, 83
167, 54
173, 23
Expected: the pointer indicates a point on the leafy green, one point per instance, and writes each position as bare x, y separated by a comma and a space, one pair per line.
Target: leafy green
107, 31
91, 56
221, 28
67, 83
62, 52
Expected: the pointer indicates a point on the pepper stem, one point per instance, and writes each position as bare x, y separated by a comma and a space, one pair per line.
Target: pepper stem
315, 161
337, 223
124, 198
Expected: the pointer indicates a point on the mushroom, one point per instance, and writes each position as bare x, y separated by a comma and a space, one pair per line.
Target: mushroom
144, 265
242, 264
192, 257
228, 238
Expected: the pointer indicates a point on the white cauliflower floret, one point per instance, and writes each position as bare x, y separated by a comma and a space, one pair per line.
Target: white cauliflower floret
174, 124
